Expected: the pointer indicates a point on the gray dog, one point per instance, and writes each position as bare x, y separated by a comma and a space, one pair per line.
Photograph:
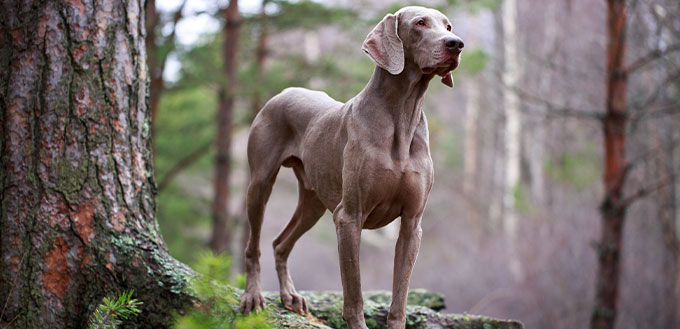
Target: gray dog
368, 160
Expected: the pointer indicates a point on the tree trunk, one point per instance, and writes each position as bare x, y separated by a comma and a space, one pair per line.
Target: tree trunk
158, 51
255, 106
613, 208
220, 237
260, 57
511, 76
471, 146
535, 147
77, 198
156, 84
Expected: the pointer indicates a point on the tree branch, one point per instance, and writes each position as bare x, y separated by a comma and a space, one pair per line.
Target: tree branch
557, 110
650, 57
643, 192
182, 164
673, 76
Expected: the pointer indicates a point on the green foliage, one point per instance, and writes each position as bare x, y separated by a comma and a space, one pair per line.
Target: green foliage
185, 122
579, 169
474, 61
307, 14
477, 5
522, 203
111, 313
446, 141
218, 309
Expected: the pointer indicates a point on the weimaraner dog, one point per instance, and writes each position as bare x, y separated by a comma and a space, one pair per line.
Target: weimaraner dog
368, 160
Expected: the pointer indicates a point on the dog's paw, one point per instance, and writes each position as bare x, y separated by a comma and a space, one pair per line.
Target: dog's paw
294, 302
252, 301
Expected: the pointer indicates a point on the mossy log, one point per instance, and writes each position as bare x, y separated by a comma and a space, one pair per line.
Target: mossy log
422, 312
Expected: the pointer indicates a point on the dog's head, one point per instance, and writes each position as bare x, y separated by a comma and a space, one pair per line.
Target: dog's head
415, 34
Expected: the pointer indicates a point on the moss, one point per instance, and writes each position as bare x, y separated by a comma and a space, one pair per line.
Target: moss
70, 179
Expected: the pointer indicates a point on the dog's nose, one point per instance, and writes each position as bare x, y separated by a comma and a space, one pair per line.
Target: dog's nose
454, 43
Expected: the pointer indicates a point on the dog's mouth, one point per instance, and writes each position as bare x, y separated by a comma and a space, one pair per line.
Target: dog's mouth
444, 67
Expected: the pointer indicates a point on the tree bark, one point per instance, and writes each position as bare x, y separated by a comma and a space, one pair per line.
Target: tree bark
613, 209
77, 195
221, 236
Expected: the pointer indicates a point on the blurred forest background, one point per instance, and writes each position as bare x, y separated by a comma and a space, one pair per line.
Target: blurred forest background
514, 222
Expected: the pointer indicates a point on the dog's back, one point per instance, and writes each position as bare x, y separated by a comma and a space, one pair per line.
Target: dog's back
285, 117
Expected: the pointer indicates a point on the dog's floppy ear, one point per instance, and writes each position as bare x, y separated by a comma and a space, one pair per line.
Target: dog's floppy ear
384, 47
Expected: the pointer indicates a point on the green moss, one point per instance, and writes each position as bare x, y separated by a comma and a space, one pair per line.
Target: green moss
70, 179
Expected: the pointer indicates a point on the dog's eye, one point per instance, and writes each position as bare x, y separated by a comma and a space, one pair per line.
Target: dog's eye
448, 27
421, 22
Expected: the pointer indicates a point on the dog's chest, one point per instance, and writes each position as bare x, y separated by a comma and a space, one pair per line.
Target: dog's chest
397, 188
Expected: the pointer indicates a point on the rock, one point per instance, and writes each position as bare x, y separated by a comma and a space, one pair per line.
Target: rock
326, 312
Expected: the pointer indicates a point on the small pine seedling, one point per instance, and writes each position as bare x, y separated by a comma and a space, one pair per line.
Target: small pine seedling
111, 313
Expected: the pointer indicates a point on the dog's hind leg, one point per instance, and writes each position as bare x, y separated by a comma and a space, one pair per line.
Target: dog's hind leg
263, 175
307, 213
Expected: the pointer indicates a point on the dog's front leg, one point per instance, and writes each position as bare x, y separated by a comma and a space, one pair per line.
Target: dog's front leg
348, 229
405, 255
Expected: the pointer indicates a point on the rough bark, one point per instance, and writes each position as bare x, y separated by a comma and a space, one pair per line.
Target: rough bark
613, 208
511, 105
221, 234
77, 197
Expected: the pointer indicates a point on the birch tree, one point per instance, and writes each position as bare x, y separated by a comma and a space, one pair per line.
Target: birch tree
511, 105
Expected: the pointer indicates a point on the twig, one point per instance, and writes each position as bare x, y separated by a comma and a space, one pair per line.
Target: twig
555, 109
643, 192
182, 164
650, 57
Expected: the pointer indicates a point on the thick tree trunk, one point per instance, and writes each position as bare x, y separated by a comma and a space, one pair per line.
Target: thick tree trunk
221, 234
511, 105
613, 208
77, 193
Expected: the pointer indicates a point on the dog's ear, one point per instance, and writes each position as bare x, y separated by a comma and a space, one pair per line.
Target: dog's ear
384, 47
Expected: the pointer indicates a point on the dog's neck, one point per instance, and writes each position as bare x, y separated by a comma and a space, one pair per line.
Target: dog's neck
400, 97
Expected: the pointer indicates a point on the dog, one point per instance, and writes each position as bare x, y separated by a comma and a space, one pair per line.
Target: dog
367, 160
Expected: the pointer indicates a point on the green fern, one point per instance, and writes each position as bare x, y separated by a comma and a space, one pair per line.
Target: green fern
111, 312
